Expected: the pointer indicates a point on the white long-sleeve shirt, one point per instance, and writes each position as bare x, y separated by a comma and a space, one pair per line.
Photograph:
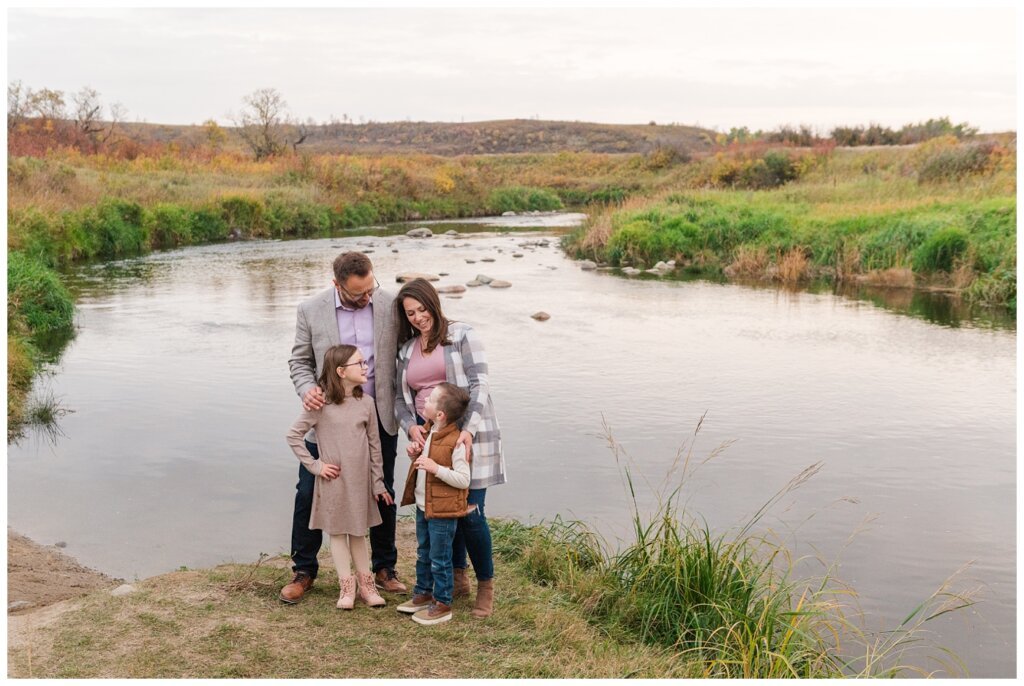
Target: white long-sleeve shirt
456, 477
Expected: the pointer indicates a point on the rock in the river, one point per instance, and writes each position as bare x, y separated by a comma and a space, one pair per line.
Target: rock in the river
394, 249
498, 283
510, 213
541, 316
123, 589
483, 278
442, 273
661, 266
454, 297
671, 264
631, 271
517, 254
451, 232
587, 265
451, 289
16, 605
468, 261
409, 276
421, 232
60, 544
487, 259
656, 272
474, 283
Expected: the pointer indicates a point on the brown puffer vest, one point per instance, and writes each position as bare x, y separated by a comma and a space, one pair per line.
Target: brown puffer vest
441, 500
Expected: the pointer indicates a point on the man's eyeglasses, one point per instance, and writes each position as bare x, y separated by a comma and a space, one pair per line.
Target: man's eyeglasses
361, 363
355, 297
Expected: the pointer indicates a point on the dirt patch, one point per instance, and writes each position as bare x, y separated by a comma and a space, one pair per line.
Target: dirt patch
42, 576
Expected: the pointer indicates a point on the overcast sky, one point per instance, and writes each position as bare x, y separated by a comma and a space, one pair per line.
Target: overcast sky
716, 68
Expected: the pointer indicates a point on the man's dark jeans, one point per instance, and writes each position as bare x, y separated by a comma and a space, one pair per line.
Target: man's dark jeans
306, 542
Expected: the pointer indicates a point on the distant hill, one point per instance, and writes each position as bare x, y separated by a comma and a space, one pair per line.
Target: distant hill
472, 138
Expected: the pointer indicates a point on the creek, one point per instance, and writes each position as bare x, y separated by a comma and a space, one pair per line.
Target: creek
174, 452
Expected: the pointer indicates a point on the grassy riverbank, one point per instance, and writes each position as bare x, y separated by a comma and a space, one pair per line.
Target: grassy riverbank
940, 215
678, 602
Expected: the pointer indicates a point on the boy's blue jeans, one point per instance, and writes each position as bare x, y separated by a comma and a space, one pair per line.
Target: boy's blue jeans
473, 535
434, 557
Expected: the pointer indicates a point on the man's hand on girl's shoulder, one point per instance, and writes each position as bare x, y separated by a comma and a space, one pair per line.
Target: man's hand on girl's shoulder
314, 399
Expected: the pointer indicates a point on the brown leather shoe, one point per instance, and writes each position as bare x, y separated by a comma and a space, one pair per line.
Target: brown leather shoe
387, 580
435, 614
299, 586
462, 587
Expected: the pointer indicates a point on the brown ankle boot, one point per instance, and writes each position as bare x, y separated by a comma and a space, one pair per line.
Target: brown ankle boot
462, 586
484, 599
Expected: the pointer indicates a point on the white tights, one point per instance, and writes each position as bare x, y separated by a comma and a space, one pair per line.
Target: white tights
346, 549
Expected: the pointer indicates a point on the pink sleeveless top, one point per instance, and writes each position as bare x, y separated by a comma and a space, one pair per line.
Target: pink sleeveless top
424, 373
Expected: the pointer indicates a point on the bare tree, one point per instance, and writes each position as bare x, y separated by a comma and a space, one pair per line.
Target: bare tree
300, 131
89, 116
18, 102
263, 122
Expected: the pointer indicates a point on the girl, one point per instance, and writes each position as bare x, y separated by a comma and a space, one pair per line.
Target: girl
349, 472
432, 350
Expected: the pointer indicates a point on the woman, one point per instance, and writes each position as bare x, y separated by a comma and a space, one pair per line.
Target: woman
432, 350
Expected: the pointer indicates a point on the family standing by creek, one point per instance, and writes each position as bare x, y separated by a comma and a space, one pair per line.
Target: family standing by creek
366, 365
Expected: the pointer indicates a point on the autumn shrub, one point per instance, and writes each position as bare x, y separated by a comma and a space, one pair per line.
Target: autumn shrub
954, 163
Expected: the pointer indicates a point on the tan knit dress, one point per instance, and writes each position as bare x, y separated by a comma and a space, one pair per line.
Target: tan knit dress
346, 436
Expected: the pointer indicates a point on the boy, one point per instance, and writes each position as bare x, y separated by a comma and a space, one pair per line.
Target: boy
438, 482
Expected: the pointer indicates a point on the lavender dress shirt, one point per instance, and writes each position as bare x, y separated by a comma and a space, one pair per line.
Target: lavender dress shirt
355, 327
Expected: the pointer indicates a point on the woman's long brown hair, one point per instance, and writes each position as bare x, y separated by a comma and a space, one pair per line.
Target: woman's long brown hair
421, 291
335, 357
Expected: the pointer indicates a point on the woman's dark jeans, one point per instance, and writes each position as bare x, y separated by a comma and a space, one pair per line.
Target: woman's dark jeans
472, 535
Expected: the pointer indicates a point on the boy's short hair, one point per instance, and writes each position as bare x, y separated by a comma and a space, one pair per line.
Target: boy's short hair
453, 401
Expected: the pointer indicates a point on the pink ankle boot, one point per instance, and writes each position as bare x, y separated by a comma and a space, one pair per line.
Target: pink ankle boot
347, 599
368, 591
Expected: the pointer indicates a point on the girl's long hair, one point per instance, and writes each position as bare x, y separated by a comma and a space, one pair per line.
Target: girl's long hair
422, 291
335, 357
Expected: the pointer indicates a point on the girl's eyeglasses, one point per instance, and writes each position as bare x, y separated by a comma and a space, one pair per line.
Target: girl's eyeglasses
361, 363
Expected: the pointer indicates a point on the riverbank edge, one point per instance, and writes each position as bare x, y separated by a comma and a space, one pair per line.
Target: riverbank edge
68, 637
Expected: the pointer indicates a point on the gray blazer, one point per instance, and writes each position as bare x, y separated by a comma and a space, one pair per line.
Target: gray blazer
316, 330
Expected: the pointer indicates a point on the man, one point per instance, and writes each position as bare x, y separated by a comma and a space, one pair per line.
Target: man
354, 312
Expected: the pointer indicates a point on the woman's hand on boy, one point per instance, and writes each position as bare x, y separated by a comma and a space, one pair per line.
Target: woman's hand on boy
330, 471
386, 498
417, 434
425, 463
466, 439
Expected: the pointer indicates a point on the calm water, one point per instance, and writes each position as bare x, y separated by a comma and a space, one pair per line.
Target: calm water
178, 378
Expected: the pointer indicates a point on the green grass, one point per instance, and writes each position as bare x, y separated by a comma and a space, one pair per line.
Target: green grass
849, 215
726, 604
